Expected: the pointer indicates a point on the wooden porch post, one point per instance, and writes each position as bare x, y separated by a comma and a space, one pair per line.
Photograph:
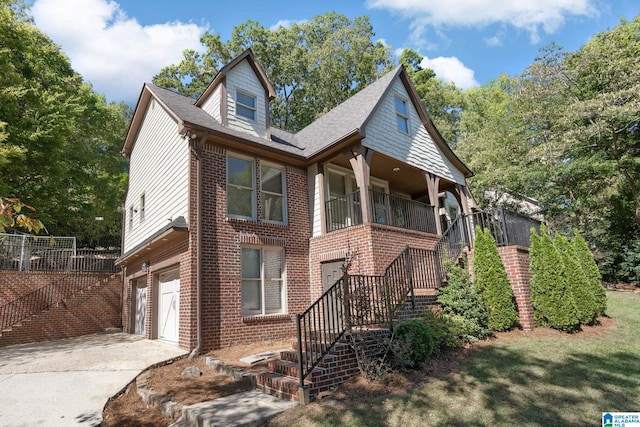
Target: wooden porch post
433, 183
360, 159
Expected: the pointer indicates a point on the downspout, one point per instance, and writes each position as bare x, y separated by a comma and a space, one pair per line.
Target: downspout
197, 149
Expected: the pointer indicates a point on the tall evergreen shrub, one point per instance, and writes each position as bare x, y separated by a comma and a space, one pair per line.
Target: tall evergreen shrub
491, 282
591, 272
460, 300
576, 280
551, 298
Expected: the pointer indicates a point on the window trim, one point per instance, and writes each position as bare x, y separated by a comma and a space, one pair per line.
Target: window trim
400, 115
285, 210
253, 186
142, 207
253, 109
283, 281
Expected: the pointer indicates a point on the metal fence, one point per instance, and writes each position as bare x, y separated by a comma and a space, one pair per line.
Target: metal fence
24, 252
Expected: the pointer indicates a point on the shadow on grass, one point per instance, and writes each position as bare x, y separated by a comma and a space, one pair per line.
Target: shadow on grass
516, 389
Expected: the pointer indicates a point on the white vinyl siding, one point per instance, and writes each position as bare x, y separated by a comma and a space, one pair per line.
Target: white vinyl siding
242, 78
159, 169
415, 148
212, 105
315, 201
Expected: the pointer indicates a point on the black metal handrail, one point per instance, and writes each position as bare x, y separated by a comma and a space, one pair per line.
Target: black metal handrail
343, 211
32, 303
402, 212
358, 301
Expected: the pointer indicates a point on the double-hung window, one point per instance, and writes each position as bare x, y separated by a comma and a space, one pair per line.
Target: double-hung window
272, 192
262, 281
246, 105
402, 115
240, 188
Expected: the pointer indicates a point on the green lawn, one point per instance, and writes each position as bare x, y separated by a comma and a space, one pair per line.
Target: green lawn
530, 381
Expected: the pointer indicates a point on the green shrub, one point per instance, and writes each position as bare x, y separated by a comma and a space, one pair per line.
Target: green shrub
491, 282
591, 272
576, 281
551, 298
445, 330
461, 301
412, 344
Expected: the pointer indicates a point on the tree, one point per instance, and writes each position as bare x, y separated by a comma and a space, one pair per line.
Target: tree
313, 66
11, 216
491, 282
551, 297
591, 273
62, 145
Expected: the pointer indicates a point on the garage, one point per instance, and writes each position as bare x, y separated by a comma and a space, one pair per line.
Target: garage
140, 294
169, 305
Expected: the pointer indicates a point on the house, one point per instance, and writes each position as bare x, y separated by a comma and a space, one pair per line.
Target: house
232, 227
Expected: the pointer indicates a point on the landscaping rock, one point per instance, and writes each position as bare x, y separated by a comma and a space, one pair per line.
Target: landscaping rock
191, 371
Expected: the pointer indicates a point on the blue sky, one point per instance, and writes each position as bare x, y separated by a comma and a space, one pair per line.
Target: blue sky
118, 45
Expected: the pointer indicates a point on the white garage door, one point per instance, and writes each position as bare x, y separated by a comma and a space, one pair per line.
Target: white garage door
141, 306
169, 284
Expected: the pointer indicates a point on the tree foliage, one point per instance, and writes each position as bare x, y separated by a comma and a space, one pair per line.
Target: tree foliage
12, 216
313, 65
566, 132
460, 300
551, 296
591, 273
491, 282
62, 140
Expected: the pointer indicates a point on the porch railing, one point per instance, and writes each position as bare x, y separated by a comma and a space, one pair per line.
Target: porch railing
356, 301
346, 211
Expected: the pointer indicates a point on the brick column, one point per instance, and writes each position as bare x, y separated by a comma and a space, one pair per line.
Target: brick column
516, 262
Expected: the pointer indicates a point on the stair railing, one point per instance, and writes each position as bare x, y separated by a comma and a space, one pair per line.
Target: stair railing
356, 301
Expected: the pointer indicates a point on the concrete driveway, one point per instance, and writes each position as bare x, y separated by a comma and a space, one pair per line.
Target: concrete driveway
67, 382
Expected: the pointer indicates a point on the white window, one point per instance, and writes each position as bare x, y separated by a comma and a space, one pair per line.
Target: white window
246, 105
131, 217
240, 188
262, 281
142, 207
402, 115
272, 192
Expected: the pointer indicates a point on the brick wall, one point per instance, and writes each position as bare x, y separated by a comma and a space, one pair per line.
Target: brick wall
88, 312
516, 262
14, 284
222, 239
373, 248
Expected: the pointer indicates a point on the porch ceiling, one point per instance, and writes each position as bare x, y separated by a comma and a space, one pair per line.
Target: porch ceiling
402, 177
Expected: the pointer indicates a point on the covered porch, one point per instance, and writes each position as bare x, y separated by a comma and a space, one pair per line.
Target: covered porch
363, 186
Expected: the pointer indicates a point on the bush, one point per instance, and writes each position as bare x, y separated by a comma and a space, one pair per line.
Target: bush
591, 272
551, 298
460, 301
576, 281
411, 345
492, 283
446, 331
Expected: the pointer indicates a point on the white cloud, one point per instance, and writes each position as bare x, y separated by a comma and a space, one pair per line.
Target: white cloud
286, 23
451, 69
531, 16
498, 38
111, 50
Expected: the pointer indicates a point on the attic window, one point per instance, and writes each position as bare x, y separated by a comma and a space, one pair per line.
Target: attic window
402, 115
246, 105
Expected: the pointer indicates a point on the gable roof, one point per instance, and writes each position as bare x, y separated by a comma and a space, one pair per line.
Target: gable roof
257, 68
345, 122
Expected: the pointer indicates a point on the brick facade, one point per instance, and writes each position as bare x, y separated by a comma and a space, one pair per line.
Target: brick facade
516, 263
90, 311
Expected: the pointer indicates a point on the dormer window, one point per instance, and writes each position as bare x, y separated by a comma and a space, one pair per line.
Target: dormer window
402, 115
245, 105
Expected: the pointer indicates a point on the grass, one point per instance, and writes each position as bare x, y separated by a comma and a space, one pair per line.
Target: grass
565, 380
